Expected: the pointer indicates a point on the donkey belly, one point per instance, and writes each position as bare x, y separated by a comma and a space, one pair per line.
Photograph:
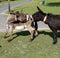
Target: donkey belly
19, 27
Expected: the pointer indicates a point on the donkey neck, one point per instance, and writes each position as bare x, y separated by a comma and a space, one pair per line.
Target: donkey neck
43, 16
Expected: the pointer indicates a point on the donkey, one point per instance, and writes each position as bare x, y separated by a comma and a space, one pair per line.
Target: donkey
53, 21
15, 21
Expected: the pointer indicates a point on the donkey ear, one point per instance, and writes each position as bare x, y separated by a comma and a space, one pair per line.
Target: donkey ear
38, 8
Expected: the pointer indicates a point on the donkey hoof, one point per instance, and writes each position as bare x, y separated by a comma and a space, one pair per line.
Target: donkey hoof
54, 42
30, 40
36, 34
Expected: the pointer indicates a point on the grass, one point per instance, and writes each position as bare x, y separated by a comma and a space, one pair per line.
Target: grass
51, 6
40, 47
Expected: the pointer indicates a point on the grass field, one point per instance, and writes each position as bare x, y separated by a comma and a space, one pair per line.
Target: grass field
41, 46
51, 6
20, 47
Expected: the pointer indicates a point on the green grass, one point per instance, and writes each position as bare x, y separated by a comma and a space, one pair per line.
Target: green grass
51, 6
42, 46
20, 47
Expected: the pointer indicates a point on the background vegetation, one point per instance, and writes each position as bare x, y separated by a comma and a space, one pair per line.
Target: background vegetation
51, 6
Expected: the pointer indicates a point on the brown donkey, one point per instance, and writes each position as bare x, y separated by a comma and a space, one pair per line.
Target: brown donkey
15, 21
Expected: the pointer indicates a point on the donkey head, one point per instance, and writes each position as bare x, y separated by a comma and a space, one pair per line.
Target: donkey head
22, 17
39, 15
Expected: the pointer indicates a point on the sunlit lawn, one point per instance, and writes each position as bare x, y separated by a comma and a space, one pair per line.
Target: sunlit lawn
51, 6
41, 46
20, 47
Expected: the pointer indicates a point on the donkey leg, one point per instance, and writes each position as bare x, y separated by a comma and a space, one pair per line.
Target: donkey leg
32, 35
5, 34
54, 37
10, 33
54, 30
10, 38
31, 30
36, 27
36, 33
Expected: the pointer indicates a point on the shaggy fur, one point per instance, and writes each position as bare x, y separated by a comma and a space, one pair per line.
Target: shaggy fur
16, 19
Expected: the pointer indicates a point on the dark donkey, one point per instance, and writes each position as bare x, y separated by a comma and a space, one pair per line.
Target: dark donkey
53, 21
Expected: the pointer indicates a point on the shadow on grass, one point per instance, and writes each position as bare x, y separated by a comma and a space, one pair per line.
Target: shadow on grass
0, 46
48, 33
22, 33
26, 33
53, 4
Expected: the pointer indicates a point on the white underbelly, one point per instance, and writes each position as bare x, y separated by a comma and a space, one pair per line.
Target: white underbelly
19, 27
